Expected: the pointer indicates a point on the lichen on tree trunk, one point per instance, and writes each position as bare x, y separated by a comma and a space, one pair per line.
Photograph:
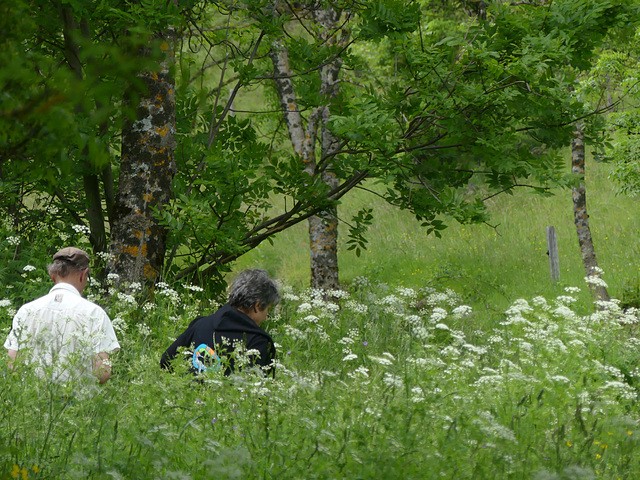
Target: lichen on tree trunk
147, 167
581, 218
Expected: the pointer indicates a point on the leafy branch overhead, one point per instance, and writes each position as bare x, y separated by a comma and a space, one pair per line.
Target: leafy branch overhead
440, 105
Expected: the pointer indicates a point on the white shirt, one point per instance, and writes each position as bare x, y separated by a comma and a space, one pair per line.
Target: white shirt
63, 332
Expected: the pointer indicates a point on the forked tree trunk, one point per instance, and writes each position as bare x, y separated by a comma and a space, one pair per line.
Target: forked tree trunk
147, 167
323, 227
581, 218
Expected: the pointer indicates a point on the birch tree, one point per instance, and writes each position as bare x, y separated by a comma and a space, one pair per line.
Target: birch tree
323, 226
581, 219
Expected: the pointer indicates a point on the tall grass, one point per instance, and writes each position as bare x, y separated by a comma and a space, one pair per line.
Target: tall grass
384, 382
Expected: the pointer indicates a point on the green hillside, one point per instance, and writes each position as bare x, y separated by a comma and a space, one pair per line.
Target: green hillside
494, 264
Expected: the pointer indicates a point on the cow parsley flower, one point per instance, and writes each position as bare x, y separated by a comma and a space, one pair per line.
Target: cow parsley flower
461, 311
82, 229
381, 360
596, 281
392, 380
28, 268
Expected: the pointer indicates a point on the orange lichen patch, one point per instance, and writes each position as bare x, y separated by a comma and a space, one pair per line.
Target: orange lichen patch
170, 91
162, 131
159, 98
131, 250
147, 197
154, 75
164, 46
292, 106
137, 234
150, 272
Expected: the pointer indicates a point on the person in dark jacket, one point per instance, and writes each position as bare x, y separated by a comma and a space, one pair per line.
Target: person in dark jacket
233, 331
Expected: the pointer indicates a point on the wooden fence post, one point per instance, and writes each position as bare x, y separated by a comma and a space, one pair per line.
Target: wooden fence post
552, 251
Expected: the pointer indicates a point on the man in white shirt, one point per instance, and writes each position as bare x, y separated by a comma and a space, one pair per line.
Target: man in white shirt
64, 335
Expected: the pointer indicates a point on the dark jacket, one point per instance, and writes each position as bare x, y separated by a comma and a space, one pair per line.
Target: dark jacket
211, 339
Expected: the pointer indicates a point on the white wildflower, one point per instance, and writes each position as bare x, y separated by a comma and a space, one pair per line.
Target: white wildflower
539, 302
596, 281
294, 332
311, 319
559, 379
5, 302
475, 349
565, 299
113, 277
362, 371
421, 333
13, 240
83, 229
518, 307
359, 282
418, 395
106, 256
406, 292
304, 307
28, 268
356, 307
144, 329
392, 380
381, 360
338, 294
348, 358
438, 314
461, 311
126, 298
571, 289
346, 341
332, 307
148, 307
119, 324
436, 298
451, 352
565, 312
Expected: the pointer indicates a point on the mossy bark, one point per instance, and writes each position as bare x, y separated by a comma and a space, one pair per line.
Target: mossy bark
147, 167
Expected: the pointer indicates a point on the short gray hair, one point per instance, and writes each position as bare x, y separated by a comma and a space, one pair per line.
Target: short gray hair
63, 268
253, 287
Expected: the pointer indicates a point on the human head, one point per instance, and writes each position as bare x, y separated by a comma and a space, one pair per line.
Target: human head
253, 288
68, 261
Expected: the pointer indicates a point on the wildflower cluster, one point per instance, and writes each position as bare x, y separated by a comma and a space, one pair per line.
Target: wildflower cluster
370, 382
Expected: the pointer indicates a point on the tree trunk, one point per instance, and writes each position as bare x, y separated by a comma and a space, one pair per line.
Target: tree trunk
93, 199
147, 167
581, 218
323, 228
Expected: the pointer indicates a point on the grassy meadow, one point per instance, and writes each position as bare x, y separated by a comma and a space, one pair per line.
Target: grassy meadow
489, 264
452, 358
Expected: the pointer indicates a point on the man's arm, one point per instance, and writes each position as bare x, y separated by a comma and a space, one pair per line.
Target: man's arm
102, 367
12, 357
